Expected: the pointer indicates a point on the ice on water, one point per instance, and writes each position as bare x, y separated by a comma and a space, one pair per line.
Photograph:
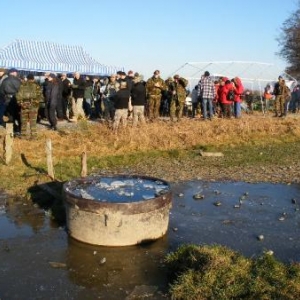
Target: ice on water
115, 189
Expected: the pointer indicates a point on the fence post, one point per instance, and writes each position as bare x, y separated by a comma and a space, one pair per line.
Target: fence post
83, 164
9, 137
49, 159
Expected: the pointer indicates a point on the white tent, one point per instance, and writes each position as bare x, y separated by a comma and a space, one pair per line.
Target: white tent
254, 75
38, 56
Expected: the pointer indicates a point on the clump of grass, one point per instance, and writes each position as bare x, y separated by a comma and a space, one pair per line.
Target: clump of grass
217, 272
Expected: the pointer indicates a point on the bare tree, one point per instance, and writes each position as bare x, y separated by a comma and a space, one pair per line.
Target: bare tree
289, 42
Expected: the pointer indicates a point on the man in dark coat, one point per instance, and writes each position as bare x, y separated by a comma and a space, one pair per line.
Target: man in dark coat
78, 88
138, 100
66, 92
121, 100
8, 90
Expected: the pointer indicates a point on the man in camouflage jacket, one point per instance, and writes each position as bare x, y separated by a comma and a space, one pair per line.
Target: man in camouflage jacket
29, 107
155, 86
178, 97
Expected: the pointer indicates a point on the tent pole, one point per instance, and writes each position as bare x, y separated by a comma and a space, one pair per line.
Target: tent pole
179, 69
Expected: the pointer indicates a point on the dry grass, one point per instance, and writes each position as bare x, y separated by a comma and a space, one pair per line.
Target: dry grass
101, 143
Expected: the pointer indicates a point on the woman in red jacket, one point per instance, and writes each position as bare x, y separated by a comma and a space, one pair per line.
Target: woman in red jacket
226, 105
238, 90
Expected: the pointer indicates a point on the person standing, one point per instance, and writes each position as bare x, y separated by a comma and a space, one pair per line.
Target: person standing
110, 91
295, 99
3, 75
121, 100
195, 101
154, 88
286, 94
9, 88
59, 107
129, 79
208, 92
78, 87
97, 99
279, 98
267, 96
52, 95
238, 91
28, 98
178, 97
42, 112
138, 100
88, 95
66, 92
224, 88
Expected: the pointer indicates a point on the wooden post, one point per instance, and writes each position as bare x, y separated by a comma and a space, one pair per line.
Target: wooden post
83, 164
49, 159
9, 138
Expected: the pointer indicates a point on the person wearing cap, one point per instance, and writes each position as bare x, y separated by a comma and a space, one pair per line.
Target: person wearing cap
155, 86
138, 100
28, 98
121, 100
9, 88
178, 97
110, 91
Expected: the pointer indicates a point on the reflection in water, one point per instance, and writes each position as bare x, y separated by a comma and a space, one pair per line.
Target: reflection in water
117, 270
20, 219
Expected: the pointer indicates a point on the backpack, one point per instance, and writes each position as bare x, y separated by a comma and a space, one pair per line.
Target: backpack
230, 95
27, 92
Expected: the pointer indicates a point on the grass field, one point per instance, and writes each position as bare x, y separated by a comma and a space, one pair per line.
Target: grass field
166, 149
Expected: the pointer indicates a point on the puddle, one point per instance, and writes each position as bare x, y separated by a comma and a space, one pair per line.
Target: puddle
244, 212
29, 241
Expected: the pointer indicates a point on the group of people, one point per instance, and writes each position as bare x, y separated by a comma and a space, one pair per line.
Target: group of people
217, 98
115, 98
122, 96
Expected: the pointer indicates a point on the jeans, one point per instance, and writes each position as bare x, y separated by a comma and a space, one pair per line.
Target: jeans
207, 102
87, 104
237, 109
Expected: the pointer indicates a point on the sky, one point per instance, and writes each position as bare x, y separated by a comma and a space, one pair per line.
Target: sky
159, 34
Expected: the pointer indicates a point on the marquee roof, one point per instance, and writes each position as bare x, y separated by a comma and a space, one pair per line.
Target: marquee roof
39, 56
253, 74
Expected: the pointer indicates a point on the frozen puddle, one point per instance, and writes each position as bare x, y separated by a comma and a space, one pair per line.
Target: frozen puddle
119, 189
